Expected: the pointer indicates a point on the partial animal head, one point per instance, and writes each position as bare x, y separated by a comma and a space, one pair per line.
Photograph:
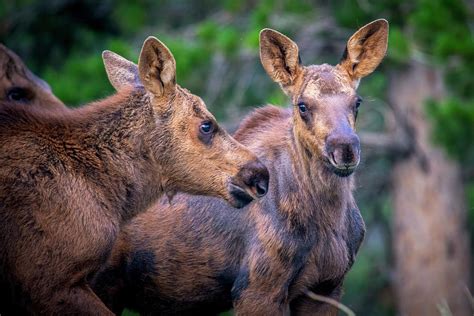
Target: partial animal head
20, 86
324, 97
198, 155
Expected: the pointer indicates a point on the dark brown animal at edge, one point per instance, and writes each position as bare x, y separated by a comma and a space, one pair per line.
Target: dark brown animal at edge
198, 257
70, 179
20, 86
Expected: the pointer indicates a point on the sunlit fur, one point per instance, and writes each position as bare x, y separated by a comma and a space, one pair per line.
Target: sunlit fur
200, 257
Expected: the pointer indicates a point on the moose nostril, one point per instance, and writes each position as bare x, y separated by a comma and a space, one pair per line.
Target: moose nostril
347, 154
260, 180
261, 187
343, 149
255, 177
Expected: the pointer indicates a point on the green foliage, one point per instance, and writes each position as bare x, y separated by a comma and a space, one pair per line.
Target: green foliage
277, 97
130, 15
215, 37
454, 121
82, 77
188, 54
128, 312
441, 27
258, 20
297, 7
29, 26
399, 45
374, 86
233, 6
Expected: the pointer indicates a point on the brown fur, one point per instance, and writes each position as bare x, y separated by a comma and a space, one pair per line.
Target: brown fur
70, 179
20, 86
198, 256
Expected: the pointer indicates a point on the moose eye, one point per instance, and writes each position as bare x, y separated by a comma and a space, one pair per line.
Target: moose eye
18, 94
206, 127
302, 107
358, 103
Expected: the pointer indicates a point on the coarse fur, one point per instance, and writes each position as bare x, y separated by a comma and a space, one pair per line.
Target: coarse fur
70, 178
198, 257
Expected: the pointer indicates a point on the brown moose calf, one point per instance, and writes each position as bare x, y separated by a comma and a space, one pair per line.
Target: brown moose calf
69, 179
199, 257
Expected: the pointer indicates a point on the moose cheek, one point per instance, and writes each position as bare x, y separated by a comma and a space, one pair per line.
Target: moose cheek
307, 119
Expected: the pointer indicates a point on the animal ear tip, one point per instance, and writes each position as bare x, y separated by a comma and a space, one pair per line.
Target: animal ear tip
151, 40
106, 54
152, 43
381, 23
267, 32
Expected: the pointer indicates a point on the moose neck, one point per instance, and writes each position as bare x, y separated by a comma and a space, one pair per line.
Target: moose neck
119, 130
323, 195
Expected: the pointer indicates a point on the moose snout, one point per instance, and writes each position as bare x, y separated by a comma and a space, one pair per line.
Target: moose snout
343, 153
251, 182
254, 176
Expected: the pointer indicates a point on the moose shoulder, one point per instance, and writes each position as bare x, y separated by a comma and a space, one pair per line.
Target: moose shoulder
198, 256
69, 179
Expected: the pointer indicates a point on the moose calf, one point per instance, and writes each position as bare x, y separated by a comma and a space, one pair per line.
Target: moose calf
199, 257
70, 179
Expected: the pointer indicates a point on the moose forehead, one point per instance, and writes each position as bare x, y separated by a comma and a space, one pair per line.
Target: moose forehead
195, 104
199, 110
324, 81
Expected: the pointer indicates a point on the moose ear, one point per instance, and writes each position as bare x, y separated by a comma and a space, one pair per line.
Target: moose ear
11, 65
365, 49
279, 56
120, 71
157, 67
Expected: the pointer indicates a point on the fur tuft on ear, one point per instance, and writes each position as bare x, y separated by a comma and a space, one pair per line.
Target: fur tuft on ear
365, 49
157, 67
120, 71
279, 56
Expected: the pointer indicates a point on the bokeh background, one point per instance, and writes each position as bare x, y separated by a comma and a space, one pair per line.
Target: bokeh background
415, 186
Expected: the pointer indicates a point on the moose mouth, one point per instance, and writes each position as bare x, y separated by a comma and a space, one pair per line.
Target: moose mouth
341, 170
240, 197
